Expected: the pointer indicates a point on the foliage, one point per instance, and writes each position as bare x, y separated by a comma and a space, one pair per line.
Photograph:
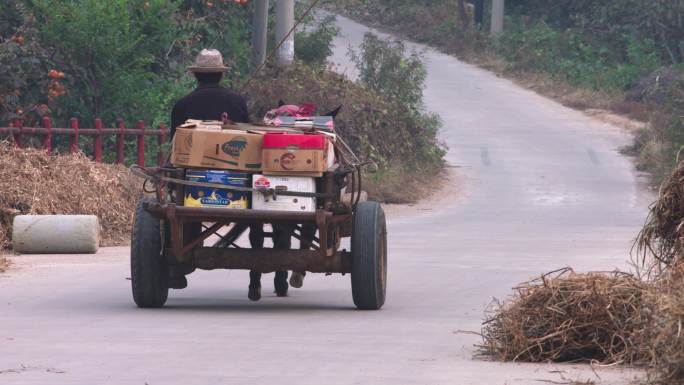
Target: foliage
376, 127
385, 67
659, 21
313, 43
127, 59
659, 145
121, 58
569, 55
112, 56
24, 65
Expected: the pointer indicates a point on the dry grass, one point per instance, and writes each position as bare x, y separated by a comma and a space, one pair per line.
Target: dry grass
31, 182
607, 317
659, 249
667, 341
400, 186
596, 317
663, 233
4, 264
564, 316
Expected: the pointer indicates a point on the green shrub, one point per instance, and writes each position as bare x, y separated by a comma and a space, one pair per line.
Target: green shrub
313, 45
378, 128
385, 67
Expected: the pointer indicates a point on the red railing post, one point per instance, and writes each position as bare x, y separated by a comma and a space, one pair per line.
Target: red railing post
98, 140
141, 143
47, 141
18, 123
74, 138
162, 140
120, 143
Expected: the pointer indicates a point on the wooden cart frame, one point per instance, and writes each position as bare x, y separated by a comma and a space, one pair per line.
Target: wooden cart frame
338, 215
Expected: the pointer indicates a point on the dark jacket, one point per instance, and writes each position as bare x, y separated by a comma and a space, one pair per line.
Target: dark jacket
208, 102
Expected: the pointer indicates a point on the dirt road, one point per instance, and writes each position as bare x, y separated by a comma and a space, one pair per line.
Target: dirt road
536, 187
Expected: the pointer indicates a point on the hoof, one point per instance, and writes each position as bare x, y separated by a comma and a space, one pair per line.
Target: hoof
178, 282
281, 288
254, 293
296, 279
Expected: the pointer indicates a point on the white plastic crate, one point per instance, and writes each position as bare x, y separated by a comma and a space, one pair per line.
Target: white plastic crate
284, 183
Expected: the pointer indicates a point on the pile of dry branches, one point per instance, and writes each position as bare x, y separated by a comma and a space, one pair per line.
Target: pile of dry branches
666, 344
564, 316
32, 182
663, 232
606, 317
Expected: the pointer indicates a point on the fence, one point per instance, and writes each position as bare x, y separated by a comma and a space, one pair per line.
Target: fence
18, 131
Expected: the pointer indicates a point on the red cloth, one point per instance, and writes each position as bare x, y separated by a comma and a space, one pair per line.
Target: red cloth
303, 111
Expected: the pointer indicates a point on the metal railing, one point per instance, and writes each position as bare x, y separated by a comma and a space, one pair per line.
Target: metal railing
18, 132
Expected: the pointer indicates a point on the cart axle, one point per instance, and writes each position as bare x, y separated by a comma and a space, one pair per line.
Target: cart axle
269, 260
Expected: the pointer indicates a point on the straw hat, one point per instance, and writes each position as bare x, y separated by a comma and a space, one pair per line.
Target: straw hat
208, 61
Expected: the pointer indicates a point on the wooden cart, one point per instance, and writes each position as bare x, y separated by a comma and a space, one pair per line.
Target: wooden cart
161, 242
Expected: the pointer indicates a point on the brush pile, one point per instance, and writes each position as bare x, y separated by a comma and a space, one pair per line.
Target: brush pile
563, 316
32, 182
660, 247
667, 341
663, 232
606, 317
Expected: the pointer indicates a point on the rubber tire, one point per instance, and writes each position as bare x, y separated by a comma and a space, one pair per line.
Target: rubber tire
149, 271
369, 256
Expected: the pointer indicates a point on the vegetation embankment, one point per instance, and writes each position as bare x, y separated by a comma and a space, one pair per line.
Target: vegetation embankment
622, 56
128, 58
382, 118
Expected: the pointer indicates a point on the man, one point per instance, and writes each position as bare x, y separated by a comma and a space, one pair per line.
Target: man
208, 102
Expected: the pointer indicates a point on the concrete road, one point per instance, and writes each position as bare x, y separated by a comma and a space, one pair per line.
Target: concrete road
535, 186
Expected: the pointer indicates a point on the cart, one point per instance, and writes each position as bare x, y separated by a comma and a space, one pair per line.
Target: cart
161, 242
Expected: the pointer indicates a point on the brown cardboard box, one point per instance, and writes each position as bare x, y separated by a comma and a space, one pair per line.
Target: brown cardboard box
294, 162
213, 148
296, 154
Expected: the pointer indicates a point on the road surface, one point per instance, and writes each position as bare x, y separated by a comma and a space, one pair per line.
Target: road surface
535, 186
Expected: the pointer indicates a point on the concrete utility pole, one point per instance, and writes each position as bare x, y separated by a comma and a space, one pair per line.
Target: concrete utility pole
259, 32
284, 23
497, 16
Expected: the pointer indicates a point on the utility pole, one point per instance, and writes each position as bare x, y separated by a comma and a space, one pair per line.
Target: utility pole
259, 32
497, 16
284, 24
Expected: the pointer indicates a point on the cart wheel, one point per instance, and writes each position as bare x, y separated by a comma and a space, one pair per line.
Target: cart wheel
149, 271
369, 256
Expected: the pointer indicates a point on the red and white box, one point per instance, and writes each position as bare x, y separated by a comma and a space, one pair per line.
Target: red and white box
296, 154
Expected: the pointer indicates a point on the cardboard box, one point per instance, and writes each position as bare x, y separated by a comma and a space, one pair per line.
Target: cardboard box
216, 148
210, 197
284, 183
295, 154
